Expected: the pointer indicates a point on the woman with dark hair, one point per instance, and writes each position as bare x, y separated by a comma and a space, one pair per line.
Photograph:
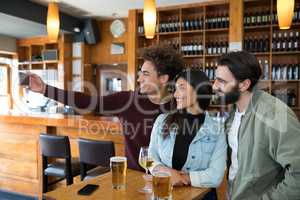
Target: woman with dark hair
190, 143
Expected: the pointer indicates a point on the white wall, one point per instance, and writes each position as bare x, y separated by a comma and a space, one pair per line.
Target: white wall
8, 43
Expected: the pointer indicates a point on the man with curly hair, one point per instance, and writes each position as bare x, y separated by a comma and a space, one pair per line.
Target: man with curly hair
136, 110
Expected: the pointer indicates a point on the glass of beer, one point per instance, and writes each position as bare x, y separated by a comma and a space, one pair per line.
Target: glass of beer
161, 185
146, 162
118, 167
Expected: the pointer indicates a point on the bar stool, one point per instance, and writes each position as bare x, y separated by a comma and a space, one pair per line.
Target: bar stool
94, 153
53, 146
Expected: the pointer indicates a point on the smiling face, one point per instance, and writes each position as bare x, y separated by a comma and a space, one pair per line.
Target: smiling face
226, 86
185, 95
148, 79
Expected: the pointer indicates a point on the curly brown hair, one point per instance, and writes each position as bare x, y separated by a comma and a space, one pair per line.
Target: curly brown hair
166, 60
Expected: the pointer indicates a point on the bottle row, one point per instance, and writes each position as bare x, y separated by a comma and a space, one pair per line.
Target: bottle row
210, 69
287, 96
285, 41
194, 47
262, 16
257, 44
220, 20
285, 72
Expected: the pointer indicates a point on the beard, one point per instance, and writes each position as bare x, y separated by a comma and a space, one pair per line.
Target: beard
225, 98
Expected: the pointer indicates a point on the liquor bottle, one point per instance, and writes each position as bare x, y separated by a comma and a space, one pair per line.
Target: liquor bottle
258, 18
290, 41
295, 41
284, 42
214, 48
291, 95
183, 48
266, 70
278, 44
253, 19
248, 19
261, 44
290, 72
274, 67
209, 48
250, 44
296, 72
266, 44
274, 42
200, 22
196, 24
195, 47
255, 44
186, 25
200, 48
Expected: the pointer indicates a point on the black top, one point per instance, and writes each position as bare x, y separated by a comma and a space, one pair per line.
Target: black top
191, 125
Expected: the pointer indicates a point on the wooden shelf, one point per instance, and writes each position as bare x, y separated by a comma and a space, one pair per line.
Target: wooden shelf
257, 27
193, 56
192, 31
213, 55
168, 33
261, 53
217, 30
285, 52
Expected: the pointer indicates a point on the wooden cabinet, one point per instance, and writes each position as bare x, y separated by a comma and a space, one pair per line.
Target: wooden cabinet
277, 50
39, 53
213, 25
198, 31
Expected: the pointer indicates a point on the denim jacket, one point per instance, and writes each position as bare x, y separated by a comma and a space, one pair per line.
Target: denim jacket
206, 159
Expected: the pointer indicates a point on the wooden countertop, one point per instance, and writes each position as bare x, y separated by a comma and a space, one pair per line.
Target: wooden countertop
134, 183
58, 120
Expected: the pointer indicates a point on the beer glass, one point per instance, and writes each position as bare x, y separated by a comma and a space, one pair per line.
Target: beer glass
118, 167
161, 185
146, 162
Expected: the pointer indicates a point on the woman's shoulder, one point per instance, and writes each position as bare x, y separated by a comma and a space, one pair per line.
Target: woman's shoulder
213, 125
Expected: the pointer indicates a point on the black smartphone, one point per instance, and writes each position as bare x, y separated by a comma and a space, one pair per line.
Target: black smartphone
88, 189
23, 79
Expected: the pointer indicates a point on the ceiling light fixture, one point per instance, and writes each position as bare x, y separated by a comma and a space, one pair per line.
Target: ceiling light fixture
285, 12
149, 17
53, 21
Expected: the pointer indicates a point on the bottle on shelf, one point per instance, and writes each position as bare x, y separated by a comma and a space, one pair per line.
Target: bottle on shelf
291, 98
285, 72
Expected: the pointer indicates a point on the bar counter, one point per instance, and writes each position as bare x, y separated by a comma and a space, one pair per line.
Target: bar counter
20, 168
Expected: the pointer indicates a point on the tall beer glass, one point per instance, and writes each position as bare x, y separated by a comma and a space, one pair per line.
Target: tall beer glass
118, 167
161, 185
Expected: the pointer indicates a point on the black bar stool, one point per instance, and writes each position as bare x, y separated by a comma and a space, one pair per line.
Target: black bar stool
94, 153
53, 146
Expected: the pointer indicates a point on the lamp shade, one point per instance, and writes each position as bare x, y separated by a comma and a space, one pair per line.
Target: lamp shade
285, 11
53, 21
149, 17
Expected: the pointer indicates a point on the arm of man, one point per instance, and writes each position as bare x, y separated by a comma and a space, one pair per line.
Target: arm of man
285, 140
111, 104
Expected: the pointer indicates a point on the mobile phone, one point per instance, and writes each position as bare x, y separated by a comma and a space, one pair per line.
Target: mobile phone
23, 79
88, 189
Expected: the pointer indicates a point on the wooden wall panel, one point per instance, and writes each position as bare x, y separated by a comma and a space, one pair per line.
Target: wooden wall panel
24, 186
236, 20
18, 168
100, 53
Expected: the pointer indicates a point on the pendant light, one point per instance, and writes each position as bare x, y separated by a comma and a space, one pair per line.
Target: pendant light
53, 21
285, 12
149, 17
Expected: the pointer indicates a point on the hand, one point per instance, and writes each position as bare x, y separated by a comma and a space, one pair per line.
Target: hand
36, 84
186, 176
176, 176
